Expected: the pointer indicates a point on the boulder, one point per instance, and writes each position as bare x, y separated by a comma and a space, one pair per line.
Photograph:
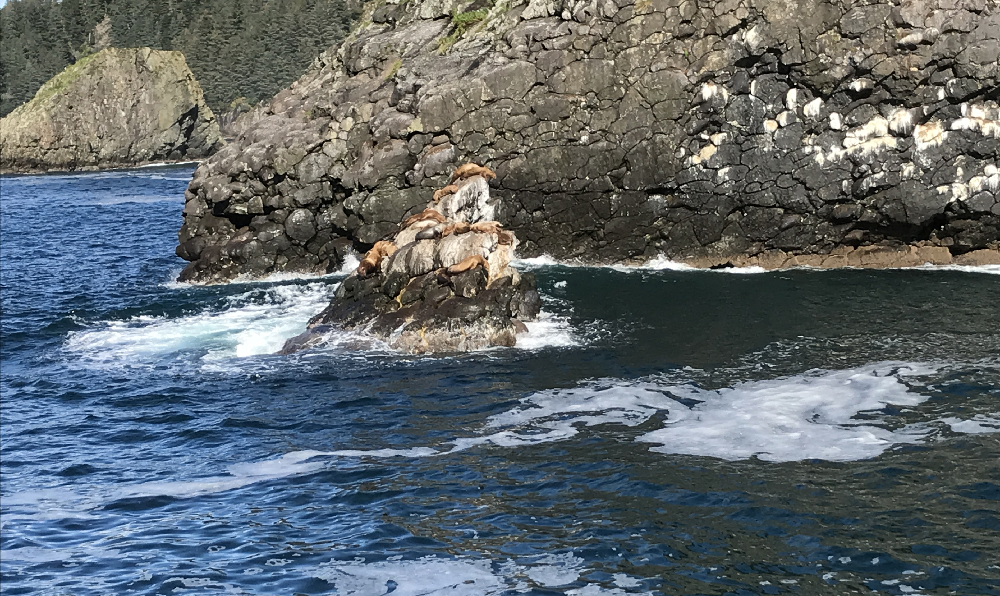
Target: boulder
119, 107
443, 284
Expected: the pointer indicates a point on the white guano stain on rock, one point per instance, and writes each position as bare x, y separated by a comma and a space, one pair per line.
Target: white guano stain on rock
812, 109
710, 90
929, 135
983, 118
901, 121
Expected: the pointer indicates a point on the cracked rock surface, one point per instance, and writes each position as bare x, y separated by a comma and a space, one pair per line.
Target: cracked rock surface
119, 107
709, 131
444, 284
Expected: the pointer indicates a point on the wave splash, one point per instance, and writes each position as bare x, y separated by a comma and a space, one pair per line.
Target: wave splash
255, 322
251, 323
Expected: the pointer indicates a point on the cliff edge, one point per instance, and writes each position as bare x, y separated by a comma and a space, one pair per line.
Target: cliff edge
116, 108
713, 132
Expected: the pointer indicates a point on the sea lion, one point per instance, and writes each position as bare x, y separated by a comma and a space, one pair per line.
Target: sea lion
430, 233
425, 214
459, 227
486, 227
443, 192
373, 258
505, 237
468, 264
469, 170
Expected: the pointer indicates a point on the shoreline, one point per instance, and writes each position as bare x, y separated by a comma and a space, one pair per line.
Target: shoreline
984, 261
98, 169
847, 257
843, 257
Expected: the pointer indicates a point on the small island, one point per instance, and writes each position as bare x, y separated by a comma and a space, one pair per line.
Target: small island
119, 107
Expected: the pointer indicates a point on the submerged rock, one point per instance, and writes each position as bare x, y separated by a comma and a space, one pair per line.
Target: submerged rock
443, 284
116, 108
700, 131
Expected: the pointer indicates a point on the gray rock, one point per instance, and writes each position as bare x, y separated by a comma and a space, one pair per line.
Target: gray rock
300, 225
119, 107
706, 132
449, 293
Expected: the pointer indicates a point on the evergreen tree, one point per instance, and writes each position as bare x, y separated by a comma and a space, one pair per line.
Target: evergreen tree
243, 50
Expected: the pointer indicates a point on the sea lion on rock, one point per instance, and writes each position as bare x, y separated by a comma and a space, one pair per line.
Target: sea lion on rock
430, 233
505, 237
373, 258
423, 215
469, 170
486, 227
469, 263
443, 192
459, 227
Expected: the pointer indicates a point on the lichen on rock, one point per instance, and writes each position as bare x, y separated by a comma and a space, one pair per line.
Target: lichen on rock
119, 107
444, 283
622, 130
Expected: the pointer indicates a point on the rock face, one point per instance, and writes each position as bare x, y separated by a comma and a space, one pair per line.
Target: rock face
443, 284
115, 108
704, 131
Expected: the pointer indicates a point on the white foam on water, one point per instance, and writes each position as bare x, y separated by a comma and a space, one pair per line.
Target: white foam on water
547, 331
162, 164
428, 576
977, 425
433, 576
657, 264
294, 463
814, 415
538, 263
988, 269
61, 503
253, 323
351, 262
809, 416
662, 263
805, 417
745, 270
556, 570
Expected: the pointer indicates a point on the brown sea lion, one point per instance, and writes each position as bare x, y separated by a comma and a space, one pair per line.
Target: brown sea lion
505, 237
469, 263
425, 214
443, 192
373, 258
469, 170
486, 227
459, 227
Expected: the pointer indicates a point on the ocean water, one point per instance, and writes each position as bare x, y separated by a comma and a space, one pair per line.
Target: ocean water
660, 431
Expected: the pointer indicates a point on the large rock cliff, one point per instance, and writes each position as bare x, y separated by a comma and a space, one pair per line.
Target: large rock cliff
710, 131
115, 108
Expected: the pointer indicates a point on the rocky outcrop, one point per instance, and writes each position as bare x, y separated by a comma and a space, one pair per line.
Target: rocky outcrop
443, 284
704, 131
116, 108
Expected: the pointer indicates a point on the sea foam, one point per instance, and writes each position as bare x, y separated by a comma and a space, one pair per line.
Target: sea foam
252, 323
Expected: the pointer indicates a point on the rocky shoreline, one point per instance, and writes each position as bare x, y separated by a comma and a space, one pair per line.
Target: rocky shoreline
34, 171
704, 132
864, 257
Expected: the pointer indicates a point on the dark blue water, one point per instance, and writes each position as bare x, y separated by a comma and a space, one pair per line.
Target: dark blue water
665, 432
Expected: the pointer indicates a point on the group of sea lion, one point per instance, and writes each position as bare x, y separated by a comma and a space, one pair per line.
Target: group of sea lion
431, 224
443, 281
